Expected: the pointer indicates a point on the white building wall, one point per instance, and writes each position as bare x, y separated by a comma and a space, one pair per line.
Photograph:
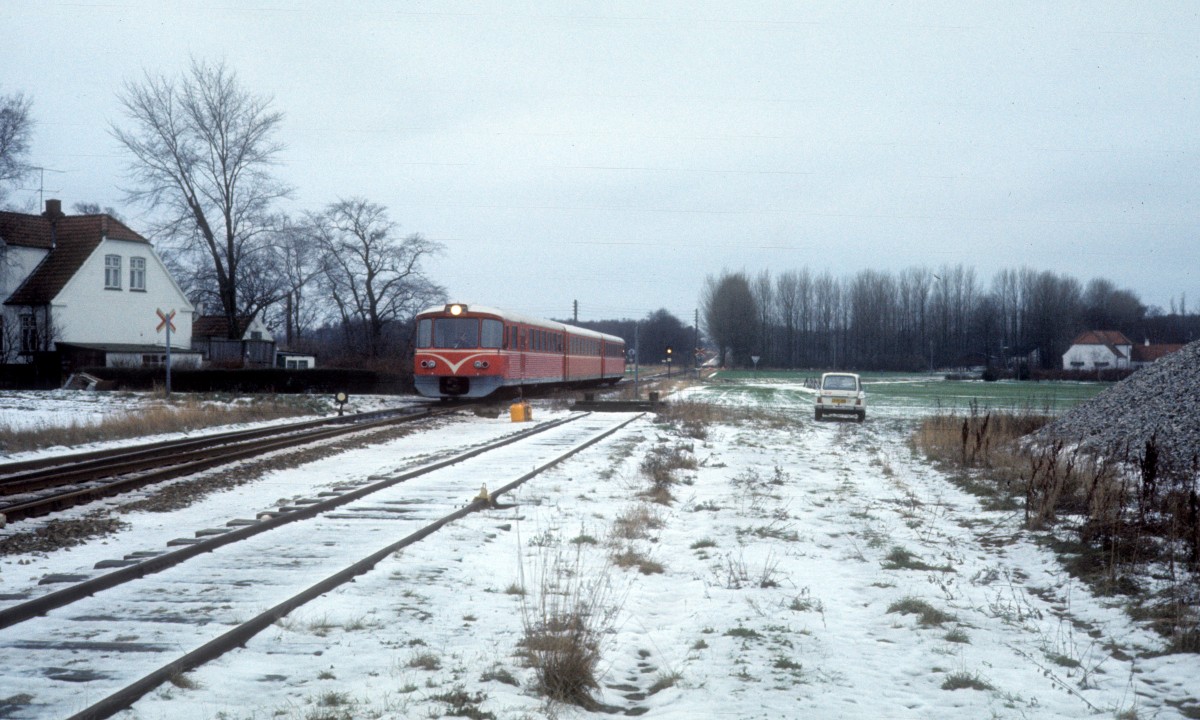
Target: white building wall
85, 312
1089, 355
15, 265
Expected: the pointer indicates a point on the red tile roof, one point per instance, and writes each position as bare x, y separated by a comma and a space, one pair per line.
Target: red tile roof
73, 240
1150, 353
1101, 337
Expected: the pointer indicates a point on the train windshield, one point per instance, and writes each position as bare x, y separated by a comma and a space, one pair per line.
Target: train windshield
459, 333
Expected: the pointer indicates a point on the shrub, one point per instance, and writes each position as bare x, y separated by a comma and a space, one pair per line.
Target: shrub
563, 628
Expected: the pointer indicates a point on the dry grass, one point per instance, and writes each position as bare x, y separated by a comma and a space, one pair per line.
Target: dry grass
636, 523
1134, 512
692, 418
563, 628
167, 416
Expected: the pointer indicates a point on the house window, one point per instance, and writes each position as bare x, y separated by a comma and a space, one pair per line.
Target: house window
137, 272
29, 333
112, 272
256, 335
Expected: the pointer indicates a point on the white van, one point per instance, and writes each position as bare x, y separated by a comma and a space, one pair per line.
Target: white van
841, 393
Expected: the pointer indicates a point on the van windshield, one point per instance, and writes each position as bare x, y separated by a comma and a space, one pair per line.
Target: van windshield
840, 382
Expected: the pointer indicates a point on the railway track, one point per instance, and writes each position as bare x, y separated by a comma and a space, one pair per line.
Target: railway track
46, 485
94, 647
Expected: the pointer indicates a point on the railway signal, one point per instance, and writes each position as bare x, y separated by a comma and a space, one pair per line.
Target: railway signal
167, 321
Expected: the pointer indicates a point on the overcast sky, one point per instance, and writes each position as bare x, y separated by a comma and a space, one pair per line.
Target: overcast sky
616, 153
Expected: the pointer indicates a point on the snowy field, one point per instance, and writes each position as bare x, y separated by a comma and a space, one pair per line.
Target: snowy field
805, 570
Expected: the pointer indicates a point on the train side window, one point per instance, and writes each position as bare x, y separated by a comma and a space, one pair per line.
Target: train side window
424, 332
492, 334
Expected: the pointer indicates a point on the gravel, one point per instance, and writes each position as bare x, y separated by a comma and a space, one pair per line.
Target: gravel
1161, 401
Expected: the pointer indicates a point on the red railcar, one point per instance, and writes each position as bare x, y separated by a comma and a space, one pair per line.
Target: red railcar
472, 351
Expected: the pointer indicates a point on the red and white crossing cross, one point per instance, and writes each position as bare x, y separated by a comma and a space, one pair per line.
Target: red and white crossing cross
165, 320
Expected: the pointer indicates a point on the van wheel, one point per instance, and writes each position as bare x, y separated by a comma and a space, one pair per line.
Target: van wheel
862, 416
818, 414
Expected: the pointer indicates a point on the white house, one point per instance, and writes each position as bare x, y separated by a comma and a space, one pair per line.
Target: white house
88, 288
1098, 350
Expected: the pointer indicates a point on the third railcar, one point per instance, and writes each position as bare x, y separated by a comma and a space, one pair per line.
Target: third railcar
472, 351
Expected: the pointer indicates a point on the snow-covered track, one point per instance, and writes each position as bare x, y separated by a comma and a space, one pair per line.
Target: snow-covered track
132, 636
42, 486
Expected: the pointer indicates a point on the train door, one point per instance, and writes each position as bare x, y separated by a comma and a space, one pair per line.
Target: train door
524, 350
561, 348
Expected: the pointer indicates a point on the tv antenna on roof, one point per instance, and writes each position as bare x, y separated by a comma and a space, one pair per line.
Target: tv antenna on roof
41, 188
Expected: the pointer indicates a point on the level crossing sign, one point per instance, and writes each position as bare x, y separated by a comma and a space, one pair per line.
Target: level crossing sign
165, 320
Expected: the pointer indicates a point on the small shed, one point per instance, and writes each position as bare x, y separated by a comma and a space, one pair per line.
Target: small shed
255, 347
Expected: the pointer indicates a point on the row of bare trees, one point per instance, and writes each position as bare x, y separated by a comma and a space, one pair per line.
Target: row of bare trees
202, 152
918, 318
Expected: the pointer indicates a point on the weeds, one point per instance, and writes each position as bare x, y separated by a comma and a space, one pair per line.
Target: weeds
692, 418
965, 681
1134, 510
660, 465
636, 523
901, 559
563, 628
927, 614
737, 574
187, 414
463, 704
629, 557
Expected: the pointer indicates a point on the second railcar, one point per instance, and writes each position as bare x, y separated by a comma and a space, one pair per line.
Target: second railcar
472, 351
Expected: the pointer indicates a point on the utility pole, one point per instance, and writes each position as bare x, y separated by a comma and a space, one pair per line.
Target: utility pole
637, 358
696, 344
575, 313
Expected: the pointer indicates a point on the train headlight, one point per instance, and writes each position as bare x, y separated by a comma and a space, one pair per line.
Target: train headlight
481, 364
456, 309
428, 364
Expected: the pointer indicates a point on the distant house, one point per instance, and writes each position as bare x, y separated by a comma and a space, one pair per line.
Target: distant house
1098, 350
87, 288
1147, 354
295, 360
254, 348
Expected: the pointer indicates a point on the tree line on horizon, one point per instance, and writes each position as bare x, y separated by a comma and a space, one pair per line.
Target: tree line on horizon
922, 318
342, 282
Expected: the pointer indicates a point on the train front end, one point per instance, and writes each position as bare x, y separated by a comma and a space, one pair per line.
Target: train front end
459, 352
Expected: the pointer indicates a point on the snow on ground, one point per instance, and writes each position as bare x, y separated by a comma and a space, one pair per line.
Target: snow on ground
791, 586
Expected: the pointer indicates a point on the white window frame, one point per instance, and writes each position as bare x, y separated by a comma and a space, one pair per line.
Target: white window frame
112, 272
29, 333
137, 273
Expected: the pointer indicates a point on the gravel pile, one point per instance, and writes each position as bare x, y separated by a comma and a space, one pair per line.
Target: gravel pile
1160, 401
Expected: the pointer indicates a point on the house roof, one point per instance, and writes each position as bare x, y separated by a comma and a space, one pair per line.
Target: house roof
70, 240
129, 348
216, 326
1150, 353
1101, 337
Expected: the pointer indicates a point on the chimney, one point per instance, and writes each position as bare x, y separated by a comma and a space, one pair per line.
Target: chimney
53, 210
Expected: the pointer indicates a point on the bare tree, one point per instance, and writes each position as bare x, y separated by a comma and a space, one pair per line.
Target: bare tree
16, 125
202, 150
730, 315
372, 277
92, 208
297, 251
787, 296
